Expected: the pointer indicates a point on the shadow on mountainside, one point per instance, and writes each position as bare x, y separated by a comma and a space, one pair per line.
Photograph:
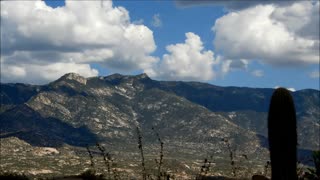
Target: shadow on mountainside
28, 125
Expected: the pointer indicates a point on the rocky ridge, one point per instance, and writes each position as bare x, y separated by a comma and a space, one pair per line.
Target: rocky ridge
191, 118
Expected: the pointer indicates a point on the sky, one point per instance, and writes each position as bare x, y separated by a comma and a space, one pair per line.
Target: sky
262, 43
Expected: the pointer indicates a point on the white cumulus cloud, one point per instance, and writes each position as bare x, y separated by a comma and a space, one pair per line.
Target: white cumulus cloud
290, 89
79, 33
275, 35
41, 74
185, 61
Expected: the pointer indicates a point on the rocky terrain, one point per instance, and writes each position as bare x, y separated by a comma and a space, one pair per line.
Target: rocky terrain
45, 129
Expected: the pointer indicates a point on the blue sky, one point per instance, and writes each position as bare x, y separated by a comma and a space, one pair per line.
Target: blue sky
228, 44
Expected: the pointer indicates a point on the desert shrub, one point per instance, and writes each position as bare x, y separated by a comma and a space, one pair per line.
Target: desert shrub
90, 174
314, 173
13, 176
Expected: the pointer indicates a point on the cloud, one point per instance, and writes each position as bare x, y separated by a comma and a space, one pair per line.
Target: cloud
300, 18
314, 74
228, 64
233, 5
239, 64
257, 73
79, 33
138, 22
41, 74
279, 36
185, 61
290, 89
156, 21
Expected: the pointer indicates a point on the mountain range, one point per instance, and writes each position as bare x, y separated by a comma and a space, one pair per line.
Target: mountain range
193, 119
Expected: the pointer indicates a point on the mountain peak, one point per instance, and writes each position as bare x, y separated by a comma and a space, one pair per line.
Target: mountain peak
142, 76
71, 74
75, 77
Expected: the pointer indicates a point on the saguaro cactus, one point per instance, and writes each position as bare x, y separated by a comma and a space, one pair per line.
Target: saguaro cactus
282, 130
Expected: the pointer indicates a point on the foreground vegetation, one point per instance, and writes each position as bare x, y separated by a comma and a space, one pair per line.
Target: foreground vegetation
104, 165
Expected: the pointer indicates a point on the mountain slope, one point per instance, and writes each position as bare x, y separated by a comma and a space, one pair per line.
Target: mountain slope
27, 124
248, 107
194, 121
112, 106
